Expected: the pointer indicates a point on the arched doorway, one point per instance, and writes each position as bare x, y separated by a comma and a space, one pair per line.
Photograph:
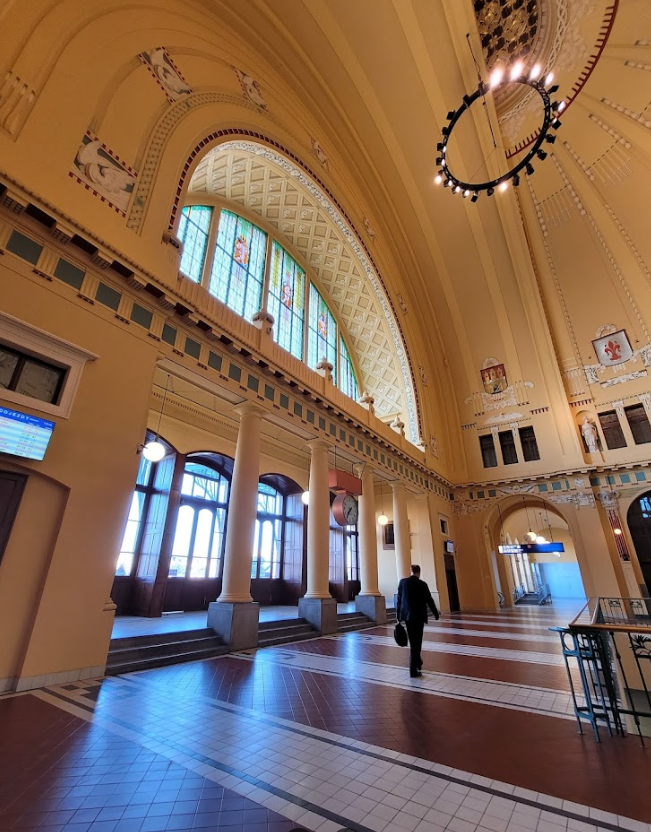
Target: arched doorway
549, 571
639, 525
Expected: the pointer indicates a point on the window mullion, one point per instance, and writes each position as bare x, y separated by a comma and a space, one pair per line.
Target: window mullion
266, 279
211, 246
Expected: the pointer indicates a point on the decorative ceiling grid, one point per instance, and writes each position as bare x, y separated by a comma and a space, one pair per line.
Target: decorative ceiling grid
271, 194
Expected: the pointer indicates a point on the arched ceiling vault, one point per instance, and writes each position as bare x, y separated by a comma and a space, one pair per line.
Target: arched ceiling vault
272, 186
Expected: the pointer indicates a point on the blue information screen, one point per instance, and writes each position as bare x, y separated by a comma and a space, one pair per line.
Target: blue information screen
24, 435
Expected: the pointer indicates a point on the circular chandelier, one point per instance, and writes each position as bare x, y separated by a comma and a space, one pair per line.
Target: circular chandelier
545, 88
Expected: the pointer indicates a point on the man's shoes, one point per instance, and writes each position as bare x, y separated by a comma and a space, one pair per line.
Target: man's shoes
416, 674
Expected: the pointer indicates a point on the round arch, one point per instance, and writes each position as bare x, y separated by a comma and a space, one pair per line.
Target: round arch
379, 342
638, 519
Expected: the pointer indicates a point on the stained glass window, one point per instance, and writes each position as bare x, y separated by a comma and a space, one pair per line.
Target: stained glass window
346, 380
193, 233
322, 332
287, 300
238, 266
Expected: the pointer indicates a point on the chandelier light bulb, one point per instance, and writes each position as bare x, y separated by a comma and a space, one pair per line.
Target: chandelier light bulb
562, 106
503, 186
438, 179
382, 520
466, 193
549, 78
516, 70
496, 77
535, 71
154, 451
457, 189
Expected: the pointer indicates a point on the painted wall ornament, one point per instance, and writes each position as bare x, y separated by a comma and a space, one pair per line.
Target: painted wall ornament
96, 167
166, 74
250, 88
613, 349
494, 378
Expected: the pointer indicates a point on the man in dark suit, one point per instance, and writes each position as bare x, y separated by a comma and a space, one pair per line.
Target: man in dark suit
414, 598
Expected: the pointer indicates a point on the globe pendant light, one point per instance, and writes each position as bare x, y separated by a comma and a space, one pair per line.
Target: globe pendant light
382, 519
154, 450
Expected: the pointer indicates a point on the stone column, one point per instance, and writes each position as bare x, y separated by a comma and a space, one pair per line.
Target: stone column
234, 616
317, 606
401, 529
369, 601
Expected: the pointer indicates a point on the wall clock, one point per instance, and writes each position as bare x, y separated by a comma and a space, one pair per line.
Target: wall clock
345, 509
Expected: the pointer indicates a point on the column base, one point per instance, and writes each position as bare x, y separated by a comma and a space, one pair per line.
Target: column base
320, 612
236, 624
373, 607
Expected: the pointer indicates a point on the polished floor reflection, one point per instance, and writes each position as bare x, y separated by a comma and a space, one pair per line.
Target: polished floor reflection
328, 734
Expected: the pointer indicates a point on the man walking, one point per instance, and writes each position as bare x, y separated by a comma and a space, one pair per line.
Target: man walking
414, 598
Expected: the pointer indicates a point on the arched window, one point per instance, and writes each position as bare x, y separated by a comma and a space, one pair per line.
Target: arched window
322, 332
193, 233
287, 300
238, 266
137, 513
198, 546
238, 272
268, 542
346, 380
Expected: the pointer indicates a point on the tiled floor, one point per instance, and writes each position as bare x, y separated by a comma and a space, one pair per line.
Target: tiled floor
329, 734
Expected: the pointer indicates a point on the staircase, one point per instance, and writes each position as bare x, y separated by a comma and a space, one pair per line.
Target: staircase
283, 632
349, 621
146, 652
529, 599
391, 616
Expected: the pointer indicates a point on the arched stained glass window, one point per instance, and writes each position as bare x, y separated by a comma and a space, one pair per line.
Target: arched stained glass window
287, 300
322, 332
346, 380
238, 266
193, 233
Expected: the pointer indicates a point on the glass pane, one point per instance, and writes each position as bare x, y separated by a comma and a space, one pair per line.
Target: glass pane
144, 471
238, 265
198, 567
39, 381
266, 549
287, 300
178, 567
184, 524
217, 542
322, 332
8, 362
202, 536
277, 554
193, 233
256, 540
125, 564
186, 484
346, 380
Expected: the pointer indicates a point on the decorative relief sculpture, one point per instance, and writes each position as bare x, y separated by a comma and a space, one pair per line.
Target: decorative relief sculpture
434, 446
369, 228
166, 74
251, 89
613, 349
493, 376
96, 167
318, 151
608, 499
590, 435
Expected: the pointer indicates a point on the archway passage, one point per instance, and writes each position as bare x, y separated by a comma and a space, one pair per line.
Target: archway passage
639, 525
537, 576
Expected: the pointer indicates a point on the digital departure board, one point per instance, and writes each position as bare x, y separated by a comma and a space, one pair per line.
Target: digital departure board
24, 435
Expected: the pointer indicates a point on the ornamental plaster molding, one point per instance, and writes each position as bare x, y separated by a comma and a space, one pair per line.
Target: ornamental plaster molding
608, 499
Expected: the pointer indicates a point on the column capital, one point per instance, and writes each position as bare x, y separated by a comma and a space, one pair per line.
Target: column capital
246, 408
361, 468
318, 445
397, 485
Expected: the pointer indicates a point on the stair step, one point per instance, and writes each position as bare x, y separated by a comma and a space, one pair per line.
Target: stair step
165, 648
273, 641
283, 624
115, 668
342, 616
181, 635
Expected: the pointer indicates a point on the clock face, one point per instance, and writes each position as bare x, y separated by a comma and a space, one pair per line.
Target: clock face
350, 509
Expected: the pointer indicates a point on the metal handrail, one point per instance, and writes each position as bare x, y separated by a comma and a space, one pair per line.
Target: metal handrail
622, 615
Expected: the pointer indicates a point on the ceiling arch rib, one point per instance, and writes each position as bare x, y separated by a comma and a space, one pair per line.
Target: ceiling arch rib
270, 185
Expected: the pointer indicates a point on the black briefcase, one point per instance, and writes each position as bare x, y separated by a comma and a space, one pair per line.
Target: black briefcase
400, 635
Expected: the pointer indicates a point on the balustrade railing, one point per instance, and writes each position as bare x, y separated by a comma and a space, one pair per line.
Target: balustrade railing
610, 640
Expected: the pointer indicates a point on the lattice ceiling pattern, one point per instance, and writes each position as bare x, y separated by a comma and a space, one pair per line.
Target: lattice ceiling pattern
270, 192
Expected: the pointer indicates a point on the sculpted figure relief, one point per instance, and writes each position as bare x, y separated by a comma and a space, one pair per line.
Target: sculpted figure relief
590, 435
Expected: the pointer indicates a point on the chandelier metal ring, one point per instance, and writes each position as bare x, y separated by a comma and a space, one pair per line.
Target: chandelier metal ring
551, 112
